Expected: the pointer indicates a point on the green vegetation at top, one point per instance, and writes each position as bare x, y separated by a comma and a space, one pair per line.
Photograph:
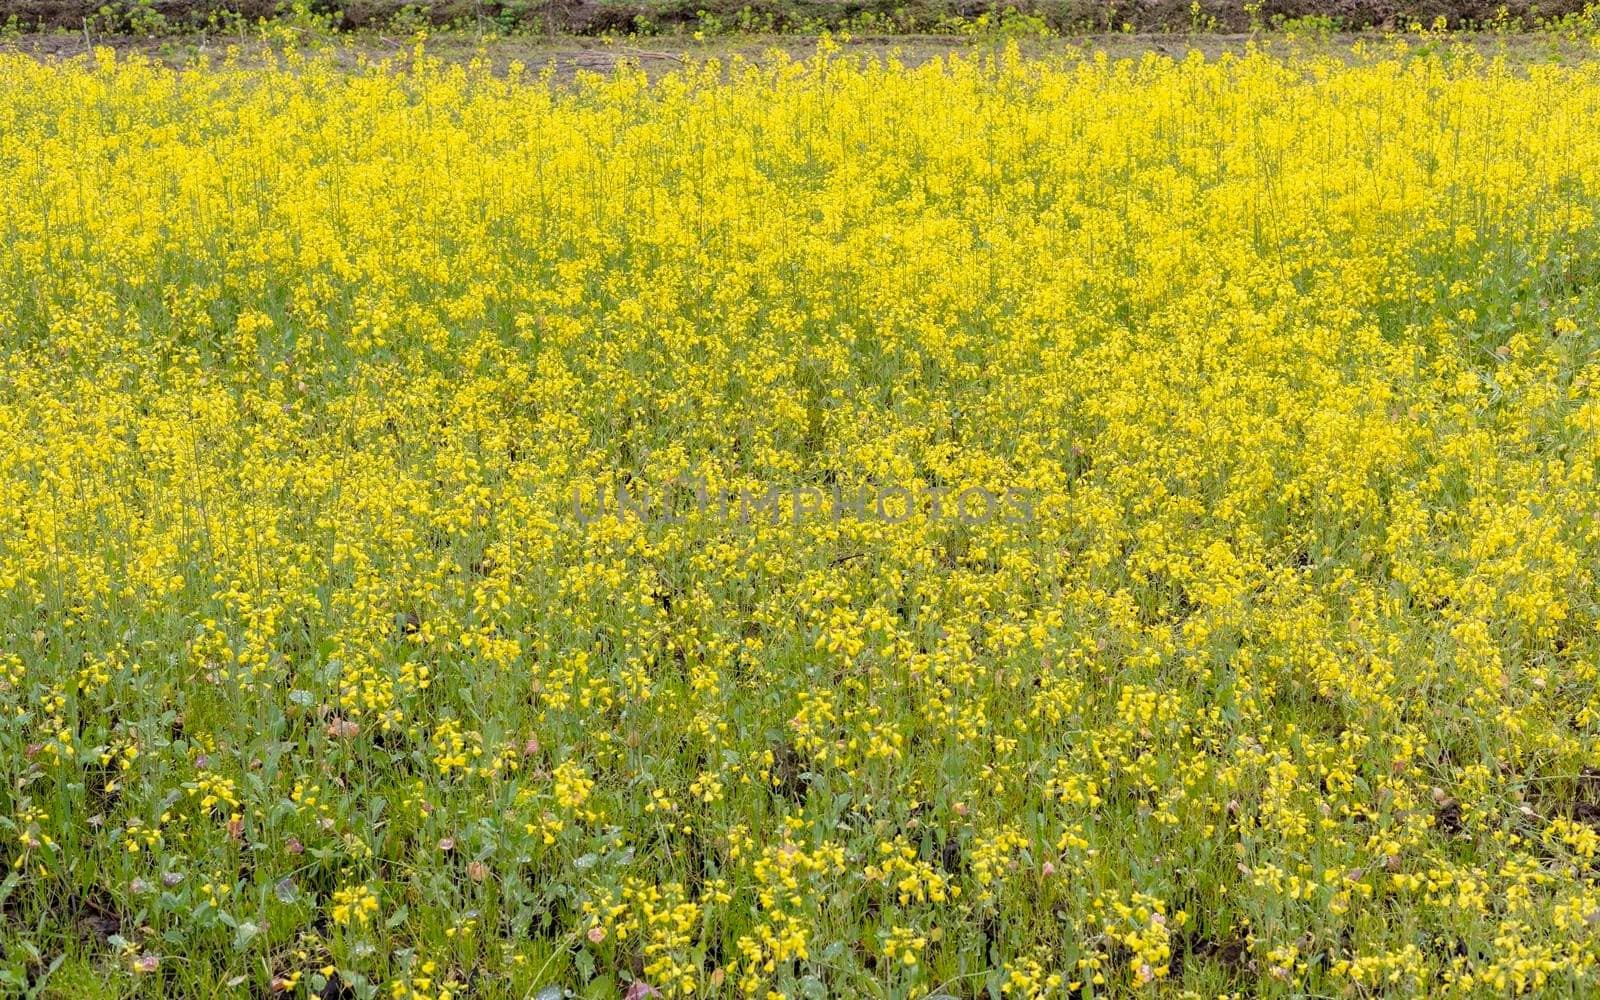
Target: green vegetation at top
712, 17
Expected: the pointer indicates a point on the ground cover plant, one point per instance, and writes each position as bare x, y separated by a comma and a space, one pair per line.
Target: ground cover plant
336, 663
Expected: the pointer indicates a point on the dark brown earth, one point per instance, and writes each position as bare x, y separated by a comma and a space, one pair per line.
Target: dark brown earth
568, 56
594, 17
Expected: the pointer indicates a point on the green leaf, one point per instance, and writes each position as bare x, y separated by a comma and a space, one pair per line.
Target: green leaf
243, 934
584, 962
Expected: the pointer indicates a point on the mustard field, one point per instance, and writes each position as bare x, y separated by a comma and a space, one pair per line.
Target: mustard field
1008, 526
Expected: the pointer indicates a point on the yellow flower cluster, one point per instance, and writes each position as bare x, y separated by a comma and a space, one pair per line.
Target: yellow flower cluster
335, 661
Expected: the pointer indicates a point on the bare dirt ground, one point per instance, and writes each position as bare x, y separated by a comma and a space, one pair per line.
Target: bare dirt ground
568, 56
